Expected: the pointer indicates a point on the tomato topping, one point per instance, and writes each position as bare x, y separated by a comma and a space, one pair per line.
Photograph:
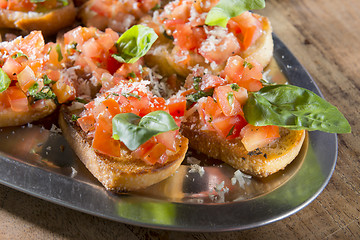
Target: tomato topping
156, 154
17, 99
177, 106
11, 67
27, 79
168, 139
254, 137
112, 106
64, 92
229, 127
227, 101
103, 141
247, 28
87, 123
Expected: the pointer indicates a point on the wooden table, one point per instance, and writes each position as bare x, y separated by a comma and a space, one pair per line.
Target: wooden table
325, 37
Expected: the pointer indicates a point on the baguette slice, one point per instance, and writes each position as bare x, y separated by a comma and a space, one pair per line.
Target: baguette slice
36, 112
119, 174
49, 22
260, 163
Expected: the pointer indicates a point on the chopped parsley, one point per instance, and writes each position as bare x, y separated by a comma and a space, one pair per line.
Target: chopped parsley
80, 100
230, 98
74, 118
231, 132
197, 81
58, 50
131, 95
132, 75
248, 65
235, 87
192, 98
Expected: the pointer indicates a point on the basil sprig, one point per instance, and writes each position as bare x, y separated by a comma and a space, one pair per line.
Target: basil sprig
134, 43
133, 130
294, 108
226, 9
4, 80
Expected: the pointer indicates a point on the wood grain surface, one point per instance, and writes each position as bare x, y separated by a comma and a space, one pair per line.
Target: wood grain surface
325, 37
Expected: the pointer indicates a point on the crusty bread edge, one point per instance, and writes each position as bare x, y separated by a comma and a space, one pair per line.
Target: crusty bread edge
49, 23
261, 163
102, 167
10, 118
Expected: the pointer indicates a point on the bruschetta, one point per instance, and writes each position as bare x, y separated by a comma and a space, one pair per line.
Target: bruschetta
185, 41
114, 14
47, 16
26, 94
118, 164
216, 126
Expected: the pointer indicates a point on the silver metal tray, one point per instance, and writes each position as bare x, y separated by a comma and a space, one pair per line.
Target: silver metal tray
39, 162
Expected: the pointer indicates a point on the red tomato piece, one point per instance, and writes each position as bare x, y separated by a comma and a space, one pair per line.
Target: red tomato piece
229, 127
167, 139
17, 99
248, 26
112, 106
103, 141
177, 106
254, 137
156, 154
227, 101
87, 123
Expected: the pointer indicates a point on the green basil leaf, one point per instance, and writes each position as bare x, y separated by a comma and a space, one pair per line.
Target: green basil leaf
4, 80
294, 108
226, 9
133, 130
134, 43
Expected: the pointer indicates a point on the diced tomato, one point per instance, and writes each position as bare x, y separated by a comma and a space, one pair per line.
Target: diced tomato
112, 106
112, 65
189, 38
27, 79
220, 54
252, 85
254, 137
210, 111
167, 139
87, 123
248, 26
177, 106
11, 67
141, 151
103, 141
158, 103
32, 44
141, 104
100, 8
64, 92
227, 101
211, 81
3, 4
17, 99
156, 154
91, 48
4, 101
229, 127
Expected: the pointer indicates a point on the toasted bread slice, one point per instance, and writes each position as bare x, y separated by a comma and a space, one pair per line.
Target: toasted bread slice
164, 54
260, 163
125, 173
36, 112
48, 22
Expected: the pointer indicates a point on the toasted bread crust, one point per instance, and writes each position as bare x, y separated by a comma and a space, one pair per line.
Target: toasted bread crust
10, 118
49, 22
119, 174
261, 163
